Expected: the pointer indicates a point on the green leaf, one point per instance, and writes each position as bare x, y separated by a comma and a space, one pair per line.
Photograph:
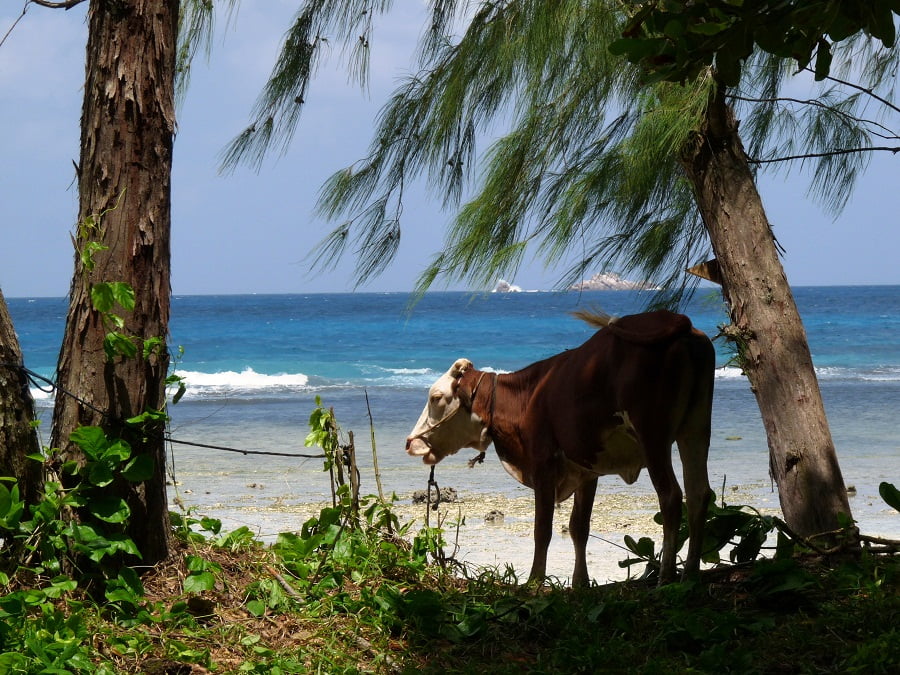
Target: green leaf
178, 394
123, 294
109, 509
890, 494
87, 254
5, 500
881, 22
140, 468
124, 543
116, 344
91, 440
154, 345
102, 297
707, 28
59, 586
100, 474
11, 507
674, 28
195, 563
256, 607
83, 534
213, 525
105, 294
636, 49
118, 452
823, 60
644, 547
202, 581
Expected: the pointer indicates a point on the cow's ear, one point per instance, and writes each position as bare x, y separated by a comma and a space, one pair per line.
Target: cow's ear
454, 386
459, 367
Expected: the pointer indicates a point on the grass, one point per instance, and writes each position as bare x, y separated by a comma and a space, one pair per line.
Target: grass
339, 599
356, 591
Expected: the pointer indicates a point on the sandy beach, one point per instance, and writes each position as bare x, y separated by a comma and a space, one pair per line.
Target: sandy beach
276, 495
482, 538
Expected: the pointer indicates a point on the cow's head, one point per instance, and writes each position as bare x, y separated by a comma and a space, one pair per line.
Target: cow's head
448, 424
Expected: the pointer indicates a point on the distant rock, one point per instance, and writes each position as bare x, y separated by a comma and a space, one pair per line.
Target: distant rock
609, 281
503, 286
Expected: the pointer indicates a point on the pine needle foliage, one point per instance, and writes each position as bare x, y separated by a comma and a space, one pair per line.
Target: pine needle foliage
307, 42
570, 173
196, 27
831, 132
585, 167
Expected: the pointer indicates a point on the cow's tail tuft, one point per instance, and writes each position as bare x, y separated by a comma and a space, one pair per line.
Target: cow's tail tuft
594, 317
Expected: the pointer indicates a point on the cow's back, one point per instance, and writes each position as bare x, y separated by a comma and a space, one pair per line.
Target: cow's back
650, 328
649, 367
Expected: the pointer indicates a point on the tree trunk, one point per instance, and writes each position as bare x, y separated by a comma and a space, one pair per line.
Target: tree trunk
124, 220
17, 435
767, 327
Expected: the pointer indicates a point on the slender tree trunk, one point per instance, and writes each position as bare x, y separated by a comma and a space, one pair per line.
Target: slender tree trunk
767, 326
17, 435
127, 129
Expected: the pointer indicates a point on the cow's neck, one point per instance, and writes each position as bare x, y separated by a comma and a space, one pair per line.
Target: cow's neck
496, 406
484, 397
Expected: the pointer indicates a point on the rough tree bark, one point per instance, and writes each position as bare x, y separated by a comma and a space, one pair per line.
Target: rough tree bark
127, 130
767, 326
17, 436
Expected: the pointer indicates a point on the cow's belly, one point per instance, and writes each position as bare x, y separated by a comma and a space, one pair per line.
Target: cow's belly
620, 453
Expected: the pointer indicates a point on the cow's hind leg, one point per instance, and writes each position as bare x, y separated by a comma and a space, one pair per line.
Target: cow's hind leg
579, 529
659, 466
693, 446
544, 500
694, 450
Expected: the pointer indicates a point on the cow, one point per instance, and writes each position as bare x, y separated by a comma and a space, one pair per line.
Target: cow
613, 405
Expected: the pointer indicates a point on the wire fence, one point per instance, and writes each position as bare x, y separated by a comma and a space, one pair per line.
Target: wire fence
49, 386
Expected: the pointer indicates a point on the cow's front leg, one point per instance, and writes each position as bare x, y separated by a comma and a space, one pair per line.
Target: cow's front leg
544, 499
580, 528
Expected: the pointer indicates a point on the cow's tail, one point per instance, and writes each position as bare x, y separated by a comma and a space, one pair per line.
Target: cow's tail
594, 317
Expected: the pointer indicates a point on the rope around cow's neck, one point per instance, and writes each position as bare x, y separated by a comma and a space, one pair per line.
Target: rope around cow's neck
437, 489
479, 458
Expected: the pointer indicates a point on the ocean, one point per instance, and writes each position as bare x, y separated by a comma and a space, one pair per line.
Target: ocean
254, 365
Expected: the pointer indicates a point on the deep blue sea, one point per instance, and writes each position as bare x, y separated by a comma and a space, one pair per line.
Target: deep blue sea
255, 363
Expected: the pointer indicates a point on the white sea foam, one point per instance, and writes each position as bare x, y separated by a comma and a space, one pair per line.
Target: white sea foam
252, 384
248, 380
41, 394
885, 374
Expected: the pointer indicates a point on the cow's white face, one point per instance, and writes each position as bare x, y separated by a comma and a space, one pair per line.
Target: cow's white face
446, 426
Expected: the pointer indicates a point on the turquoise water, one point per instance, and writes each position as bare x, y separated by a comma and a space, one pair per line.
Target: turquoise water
254, 365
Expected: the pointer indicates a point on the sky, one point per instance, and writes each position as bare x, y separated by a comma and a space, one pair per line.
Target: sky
251, 231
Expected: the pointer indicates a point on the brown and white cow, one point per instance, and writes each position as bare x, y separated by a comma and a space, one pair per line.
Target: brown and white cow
614, 405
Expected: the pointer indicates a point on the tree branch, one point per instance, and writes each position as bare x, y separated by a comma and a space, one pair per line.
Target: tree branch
858, 87
67, 4
889, 133
811, 155
15, 23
